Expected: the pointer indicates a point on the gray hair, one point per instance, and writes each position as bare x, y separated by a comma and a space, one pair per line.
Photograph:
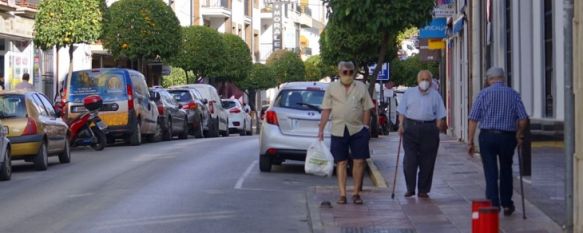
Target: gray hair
495, 73
427, 72
345, 64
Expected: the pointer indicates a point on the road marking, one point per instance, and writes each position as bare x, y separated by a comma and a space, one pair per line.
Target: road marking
239, 184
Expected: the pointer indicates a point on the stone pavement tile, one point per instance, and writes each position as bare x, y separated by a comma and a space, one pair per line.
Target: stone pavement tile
436, 228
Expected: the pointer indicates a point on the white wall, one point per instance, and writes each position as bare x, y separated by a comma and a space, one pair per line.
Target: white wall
184, 11
81, 61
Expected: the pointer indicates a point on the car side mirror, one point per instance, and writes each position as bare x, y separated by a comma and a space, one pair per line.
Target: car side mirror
58, 113
205, 101
180, 106
247, 110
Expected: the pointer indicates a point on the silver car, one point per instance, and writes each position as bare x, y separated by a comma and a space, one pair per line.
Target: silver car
290, 124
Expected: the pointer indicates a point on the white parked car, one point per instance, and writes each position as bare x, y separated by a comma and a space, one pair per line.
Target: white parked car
290, 124
219, 117
239, 119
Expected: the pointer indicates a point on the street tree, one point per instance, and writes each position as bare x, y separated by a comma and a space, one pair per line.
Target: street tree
287, 65
177, 77
238, 61
59, 24
141, 30
387, 18
316, 69
260, 77
404, 72
202, 51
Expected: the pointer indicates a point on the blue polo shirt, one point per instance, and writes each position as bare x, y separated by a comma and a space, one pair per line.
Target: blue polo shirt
419, 106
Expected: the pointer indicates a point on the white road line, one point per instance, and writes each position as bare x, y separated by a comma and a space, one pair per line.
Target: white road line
239, 184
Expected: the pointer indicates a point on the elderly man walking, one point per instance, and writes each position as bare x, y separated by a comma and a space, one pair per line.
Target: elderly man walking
349, 104
502, 120
421, 114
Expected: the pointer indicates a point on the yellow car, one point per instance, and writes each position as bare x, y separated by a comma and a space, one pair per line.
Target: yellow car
35, 130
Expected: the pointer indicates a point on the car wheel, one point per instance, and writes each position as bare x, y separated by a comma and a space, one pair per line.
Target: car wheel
6, 169
136, 137
169, 131
243, 131
250, 132
226, 132
199, 131
265, 163
41, 160
184, 133
65, 156
214, 129
101, 139
156, 136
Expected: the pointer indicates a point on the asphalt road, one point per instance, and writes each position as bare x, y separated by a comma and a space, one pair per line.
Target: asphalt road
194, 185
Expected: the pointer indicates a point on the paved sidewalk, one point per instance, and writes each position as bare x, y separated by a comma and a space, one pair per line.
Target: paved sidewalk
458, 179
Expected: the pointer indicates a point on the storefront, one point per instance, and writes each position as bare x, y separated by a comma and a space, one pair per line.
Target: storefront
16, 50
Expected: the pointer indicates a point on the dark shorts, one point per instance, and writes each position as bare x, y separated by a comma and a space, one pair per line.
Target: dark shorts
350, 147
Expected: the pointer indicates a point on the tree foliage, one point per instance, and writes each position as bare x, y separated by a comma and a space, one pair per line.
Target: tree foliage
407, 33
316, 70
62, 23
202, 51
260, 77
140, 29
238, 61
176, 77
287, 65
377, 18
405, 72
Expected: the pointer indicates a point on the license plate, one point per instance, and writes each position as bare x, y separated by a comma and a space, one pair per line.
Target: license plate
79, 109
101, 125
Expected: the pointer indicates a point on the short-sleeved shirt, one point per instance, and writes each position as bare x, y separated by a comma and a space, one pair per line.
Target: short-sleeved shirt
24, 86
347, 107
416, 105
498, 107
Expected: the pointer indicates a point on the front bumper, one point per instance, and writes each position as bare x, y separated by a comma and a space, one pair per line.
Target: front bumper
286, 147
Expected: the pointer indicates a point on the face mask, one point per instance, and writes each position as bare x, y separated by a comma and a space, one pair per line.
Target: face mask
424, 85
346, 79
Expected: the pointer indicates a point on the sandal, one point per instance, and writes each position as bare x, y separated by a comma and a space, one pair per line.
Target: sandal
357, 200
341, 200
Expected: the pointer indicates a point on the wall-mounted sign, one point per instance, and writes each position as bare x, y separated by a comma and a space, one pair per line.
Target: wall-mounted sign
444, 11
277, 12
436, 30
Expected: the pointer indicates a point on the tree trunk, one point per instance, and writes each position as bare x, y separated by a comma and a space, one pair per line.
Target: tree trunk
70, 74
380, 61
186, 76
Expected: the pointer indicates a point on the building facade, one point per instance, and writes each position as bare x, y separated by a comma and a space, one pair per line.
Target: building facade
523, 37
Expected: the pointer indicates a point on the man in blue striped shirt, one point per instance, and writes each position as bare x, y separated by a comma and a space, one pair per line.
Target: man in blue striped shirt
502, 118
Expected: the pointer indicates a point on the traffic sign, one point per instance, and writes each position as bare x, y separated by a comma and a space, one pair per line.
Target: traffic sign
383, 74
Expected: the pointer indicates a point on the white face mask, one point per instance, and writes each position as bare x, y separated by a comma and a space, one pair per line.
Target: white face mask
424, 85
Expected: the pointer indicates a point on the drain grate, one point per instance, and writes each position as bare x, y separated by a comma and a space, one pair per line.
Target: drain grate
374, 230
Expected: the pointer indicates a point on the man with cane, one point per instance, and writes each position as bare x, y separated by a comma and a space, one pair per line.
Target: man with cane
502, 119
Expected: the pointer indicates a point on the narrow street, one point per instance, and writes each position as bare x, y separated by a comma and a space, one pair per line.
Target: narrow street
207, 185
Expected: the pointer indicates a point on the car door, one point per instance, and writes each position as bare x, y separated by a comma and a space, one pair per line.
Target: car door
58, 127
47, 123
175, 112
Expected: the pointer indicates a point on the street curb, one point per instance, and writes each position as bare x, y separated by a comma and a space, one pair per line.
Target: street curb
313, 212
375, 175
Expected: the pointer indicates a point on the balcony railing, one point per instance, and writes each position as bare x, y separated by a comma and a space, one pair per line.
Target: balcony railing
215, 3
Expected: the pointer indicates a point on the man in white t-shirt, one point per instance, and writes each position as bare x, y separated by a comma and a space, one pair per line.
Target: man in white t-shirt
24, 85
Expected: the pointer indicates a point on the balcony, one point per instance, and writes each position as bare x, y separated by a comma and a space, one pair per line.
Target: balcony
216, 8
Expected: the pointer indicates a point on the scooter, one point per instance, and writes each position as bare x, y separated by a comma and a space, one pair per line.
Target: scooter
384, 121
88, 129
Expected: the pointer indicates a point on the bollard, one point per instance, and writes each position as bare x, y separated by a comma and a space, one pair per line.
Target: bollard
488, 221
476, 205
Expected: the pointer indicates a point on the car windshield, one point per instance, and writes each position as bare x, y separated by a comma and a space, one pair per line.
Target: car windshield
181, 96
300, 99
12, 106
110, 85
229, 104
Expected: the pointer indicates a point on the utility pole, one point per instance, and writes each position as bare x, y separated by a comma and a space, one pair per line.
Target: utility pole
569, 136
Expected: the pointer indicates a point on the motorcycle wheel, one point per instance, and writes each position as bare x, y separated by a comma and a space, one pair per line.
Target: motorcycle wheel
101, 139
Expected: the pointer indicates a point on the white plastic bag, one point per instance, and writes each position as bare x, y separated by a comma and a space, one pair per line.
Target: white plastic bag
319, 160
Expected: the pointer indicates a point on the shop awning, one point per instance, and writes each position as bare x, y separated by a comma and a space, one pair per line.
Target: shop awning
436, 30
458, 24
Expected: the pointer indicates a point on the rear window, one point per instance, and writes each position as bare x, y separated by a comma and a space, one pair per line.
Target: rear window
300, 99
110, 85
181, 96
12, 106
229, 104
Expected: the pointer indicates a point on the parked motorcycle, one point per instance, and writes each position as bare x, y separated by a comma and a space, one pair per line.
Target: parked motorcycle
384, 120
88, 129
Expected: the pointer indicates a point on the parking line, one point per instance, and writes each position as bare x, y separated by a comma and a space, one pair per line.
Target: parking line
239, 184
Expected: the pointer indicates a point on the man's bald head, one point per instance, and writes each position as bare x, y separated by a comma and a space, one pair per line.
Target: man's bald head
424, 75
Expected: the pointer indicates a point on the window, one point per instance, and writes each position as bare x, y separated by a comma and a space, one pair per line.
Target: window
12, 106
181, 96
548, 62
38, 104
509, 42
47, 104
300, 99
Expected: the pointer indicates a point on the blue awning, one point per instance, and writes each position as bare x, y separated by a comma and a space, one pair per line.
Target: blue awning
458, 25
436, 30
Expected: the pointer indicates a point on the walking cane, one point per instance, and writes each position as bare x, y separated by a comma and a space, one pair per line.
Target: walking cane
397, 167
521, 183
